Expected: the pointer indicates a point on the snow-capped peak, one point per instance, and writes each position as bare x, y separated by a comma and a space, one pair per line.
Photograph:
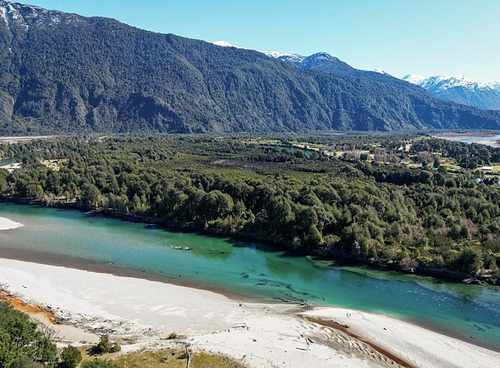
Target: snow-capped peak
293, 58
460, 89
443, 82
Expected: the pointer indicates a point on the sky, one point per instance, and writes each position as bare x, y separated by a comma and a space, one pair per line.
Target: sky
427, 37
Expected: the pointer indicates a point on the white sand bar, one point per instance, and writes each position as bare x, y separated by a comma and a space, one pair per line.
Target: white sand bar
7, 224
260, 335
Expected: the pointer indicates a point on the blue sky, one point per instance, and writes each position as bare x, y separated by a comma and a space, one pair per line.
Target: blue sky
428, 37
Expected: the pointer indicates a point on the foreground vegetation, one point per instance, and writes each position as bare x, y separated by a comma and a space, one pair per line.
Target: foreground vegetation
410, 202
24, 344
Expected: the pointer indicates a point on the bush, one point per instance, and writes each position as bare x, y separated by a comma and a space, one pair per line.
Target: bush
172, 336
116, 348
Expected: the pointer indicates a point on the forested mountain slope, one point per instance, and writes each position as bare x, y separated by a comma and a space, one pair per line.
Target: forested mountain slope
64, 73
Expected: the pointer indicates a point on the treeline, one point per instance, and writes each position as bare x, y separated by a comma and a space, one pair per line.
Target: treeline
466, 155
408, 218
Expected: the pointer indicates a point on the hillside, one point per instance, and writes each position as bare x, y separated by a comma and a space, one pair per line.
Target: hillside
66, 73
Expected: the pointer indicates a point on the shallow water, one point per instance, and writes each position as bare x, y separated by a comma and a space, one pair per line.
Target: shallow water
7, 161
69, 237
489, 141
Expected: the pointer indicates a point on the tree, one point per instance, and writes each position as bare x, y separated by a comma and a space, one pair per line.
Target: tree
34, 190
104, 345
90, 196
468, 261
314, 237
70, 357
216, 204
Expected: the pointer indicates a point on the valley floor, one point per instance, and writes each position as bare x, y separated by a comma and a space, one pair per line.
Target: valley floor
140, 313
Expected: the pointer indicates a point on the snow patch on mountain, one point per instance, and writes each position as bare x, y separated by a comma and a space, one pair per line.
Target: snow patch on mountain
4, 16
14, 13
414, 78
292, 58
223, 43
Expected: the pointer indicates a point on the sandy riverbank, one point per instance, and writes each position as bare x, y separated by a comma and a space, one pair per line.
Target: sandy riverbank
480, 136
7, 224
142, 313
465, 135
494, 143
24, 138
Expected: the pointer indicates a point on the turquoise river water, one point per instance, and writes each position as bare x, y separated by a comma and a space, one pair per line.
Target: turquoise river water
246, 270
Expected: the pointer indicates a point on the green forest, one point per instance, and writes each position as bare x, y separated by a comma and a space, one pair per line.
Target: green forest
404, 201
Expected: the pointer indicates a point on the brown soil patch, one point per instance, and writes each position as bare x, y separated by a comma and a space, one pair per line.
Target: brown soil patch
17, 303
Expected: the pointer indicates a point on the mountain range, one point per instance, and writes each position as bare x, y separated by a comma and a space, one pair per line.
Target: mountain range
460, 89
64, 73
330, 64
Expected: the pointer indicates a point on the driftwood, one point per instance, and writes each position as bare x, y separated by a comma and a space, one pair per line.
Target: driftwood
341, 324
188, 356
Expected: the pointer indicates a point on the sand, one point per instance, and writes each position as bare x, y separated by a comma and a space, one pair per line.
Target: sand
454, 136
23, 138
494, 143
142, 313
6, 224
464, 135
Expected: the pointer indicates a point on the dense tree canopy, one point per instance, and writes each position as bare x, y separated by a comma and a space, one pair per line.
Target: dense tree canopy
390, 207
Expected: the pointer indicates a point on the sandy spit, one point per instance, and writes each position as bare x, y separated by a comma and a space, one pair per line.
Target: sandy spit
141, 313
6, 224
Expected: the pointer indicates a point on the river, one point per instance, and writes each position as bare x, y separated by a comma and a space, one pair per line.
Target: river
7, 161
488, 141
71, 238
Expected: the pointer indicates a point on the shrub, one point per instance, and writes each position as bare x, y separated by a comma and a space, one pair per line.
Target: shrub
172, 336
